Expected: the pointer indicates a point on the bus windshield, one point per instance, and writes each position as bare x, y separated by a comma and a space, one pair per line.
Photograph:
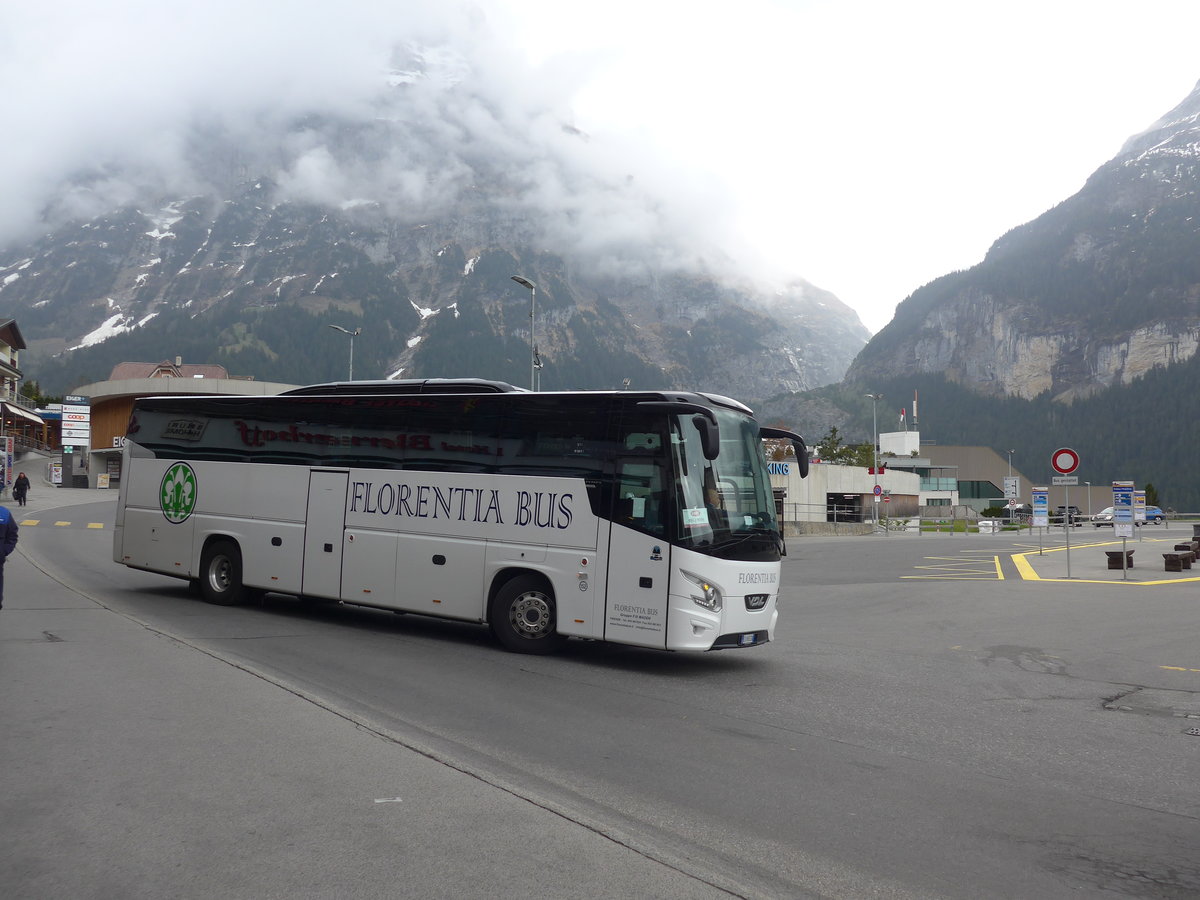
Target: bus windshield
726, 505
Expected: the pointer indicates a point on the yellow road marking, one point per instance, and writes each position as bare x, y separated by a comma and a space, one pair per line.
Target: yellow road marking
955, 567
32, 522
1028, 574
1178, 669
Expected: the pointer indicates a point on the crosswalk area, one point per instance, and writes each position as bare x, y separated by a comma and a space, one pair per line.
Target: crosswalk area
58, 523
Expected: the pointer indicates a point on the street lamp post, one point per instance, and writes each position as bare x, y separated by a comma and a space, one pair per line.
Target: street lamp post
1089, 487
353, 334
535, 361
875, 398
1010, 499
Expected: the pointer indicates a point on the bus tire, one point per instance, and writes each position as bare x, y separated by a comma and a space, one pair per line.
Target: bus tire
221, 574
523, 617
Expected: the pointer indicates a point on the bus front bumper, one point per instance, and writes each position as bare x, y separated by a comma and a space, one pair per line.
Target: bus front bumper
691, 627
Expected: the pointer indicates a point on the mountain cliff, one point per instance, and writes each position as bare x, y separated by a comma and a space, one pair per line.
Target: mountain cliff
1092, 294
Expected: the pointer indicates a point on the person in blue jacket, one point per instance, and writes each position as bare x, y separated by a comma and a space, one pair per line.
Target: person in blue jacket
8, 543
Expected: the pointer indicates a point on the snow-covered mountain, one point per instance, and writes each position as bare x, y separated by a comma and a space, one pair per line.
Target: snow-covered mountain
407, 213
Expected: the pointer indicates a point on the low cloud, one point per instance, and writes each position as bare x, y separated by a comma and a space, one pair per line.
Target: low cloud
415, 107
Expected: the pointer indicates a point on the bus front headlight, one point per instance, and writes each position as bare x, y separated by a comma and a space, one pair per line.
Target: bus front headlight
709, 595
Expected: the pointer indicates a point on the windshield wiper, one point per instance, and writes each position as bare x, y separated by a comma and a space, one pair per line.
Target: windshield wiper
743, 537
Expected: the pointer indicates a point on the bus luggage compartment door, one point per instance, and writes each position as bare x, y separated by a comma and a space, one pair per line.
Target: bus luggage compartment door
325, 525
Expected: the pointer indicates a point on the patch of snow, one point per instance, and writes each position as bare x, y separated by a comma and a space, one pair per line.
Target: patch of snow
72, 264
470, 266
422, 312
144, 319
284, 279
395, 374
412, 342
141, 279
110, 327
40, 303
150, 265
9, 279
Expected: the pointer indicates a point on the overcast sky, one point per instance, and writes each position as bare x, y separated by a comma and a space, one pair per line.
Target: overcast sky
867, 147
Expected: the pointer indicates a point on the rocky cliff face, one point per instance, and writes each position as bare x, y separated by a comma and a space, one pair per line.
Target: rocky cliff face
1092, 294
250, 281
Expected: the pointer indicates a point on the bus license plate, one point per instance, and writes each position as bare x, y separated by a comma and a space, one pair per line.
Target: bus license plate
747, 639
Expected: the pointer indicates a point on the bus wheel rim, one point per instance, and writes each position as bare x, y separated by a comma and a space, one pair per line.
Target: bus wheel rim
220, 575
531, 616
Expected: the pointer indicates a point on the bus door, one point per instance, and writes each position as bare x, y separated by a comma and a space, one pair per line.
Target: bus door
326, 522
639, 556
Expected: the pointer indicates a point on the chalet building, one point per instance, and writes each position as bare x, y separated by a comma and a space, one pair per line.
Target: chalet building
18, 418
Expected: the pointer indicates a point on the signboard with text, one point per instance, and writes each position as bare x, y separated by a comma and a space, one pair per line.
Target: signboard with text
1122, 508
76, 421
1041, 507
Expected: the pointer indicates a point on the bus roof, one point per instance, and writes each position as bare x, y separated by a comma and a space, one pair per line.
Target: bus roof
406, 386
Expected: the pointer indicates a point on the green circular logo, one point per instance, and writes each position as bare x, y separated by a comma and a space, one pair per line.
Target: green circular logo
177, 495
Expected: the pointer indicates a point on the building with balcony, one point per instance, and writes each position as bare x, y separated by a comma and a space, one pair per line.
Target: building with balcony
18, 417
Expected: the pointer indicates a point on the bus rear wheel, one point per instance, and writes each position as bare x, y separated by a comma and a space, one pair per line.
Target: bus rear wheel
524, 617
221, 574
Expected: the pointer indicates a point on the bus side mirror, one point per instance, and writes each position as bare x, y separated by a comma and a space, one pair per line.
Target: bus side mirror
798, 446
710, 437
704, 419
801, 456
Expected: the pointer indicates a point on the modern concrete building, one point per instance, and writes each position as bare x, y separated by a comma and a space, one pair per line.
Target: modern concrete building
834, 494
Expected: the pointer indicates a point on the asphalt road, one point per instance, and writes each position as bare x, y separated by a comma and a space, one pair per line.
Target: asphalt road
927, 724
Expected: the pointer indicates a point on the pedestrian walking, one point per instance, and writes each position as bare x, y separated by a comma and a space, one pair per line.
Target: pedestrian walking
8, 543
21, 489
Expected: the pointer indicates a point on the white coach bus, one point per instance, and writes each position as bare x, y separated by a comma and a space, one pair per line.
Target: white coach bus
642, 518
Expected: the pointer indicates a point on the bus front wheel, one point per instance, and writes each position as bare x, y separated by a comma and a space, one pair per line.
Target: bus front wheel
523, 617
221, 574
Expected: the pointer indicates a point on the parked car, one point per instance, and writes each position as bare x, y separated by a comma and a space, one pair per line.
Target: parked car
1069, 514
1154, 516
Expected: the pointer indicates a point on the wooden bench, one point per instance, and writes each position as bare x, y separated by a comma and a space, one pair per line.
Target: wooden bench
1177, 561
1194, 546
1115, 561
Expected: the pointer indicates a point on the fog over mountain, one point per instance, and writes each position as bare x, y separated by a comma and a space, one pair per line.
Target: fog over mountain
125, 110
220, 183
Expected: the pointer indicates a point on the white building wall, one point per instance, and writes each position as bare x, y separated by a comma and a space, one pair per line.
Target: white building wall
810, 494
901, 443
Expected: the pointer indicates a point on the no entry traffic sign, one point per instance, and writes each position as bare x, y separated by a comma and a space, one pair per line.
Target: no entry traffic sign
1064, 460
